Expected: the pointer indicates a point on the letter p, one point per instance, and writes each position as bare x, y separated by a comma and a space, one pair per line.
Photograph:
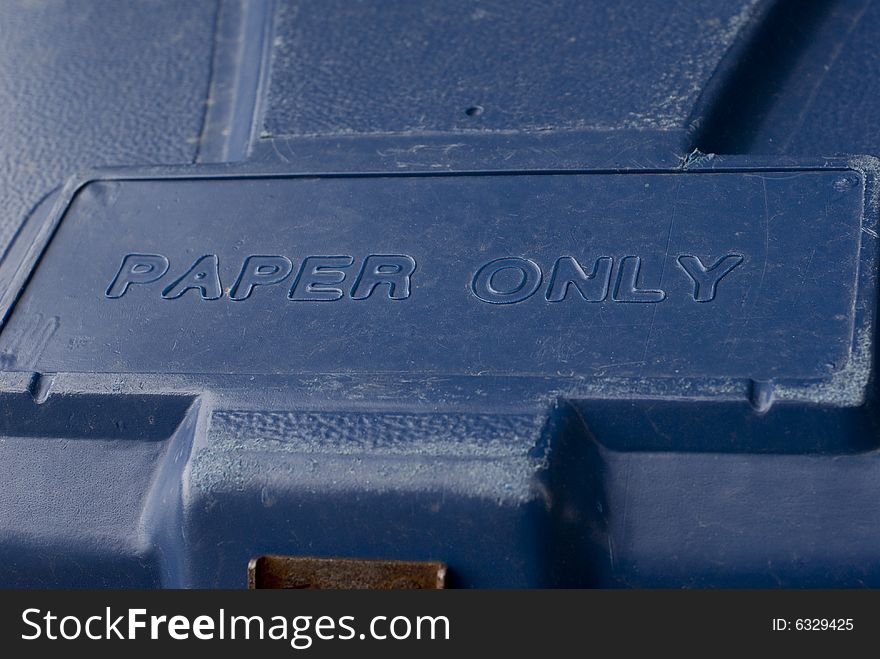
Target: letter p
137, 269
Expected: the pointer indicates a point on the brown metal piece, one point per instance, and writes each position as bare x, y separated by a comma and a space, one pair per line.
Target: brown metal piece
343, 573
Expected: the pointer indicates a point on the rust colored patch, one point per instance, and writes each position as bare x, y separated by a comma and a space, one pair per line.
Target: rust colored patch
343, 573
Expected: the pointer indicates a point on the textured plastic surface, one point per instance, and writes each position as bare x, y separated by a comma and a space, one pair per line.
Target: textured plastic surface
492, 66
445, 282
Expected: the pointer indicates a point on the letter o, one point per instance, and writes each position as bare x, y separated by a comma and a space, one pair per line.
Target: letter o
405, 635
77, 626
493, 285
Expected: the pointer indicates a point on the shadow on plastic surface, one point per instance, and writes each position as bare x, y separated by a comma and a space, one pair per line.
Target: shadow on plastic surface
731, 427
94, 500
746, 86
147, 417
680, 515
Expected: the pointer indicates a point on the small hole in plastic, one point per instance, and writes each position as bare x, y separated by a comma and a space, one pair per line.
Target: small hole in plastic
474, 111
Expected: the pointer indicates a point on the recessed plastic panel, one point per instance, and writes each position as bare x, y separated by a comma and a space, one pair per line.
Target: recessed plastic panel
724, 274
